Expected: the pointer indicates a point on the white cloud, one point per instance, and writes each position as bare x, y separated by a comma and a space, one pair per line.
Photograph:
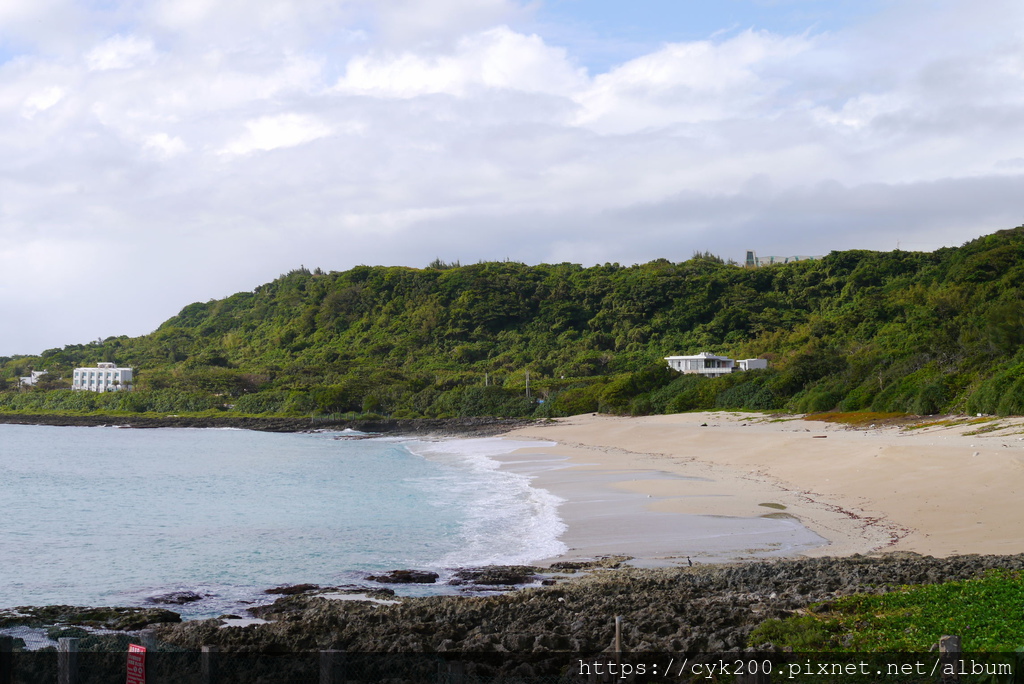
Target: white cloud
121, 52
863, 110
416, 23
690, 83
272, 132
52, 25
165, 145
41, 100
403, 130
242, 24
498, 58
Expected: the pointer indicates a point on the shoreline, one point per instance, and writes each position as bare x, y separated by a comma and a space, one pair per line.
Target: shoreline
932, 490
933, 486
668, 467
628, 484
443, 427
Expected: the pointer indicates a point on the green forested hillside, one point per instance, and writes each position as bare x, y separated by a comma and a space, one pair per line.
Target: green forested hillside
857, 330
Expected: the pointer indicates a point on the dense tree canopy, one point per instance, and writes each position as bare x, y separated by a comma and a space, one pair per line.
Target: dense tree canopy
889, 331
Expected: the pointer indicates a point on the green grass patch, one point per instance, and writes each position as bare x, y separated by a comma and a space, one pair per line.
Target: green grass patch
991, 427
986, 613
856, 417
948, 422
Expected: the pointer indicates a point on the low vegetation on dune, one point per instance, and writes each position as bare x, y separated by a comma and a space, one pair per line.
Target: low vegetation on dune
885, 332
982, 612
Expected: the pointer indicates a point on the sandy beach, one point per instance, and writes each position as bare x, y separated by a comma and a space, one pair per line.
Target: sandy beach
778, 486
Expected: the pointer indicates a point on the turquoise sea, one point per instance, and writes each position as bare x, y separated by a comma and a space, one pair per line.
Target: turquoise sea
110, 516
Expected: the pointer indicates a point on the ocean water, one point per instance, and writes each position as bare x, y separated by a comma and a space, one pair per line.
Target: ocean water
108, 516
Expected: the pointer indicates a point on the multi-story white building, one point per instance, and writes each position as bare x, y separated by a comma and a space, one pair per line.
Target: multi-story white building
105, 377
712, 366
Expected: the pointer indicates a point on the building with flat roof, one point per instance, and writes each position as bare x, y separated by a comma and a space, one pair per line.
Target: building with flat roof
702, 364
31, 379
712, 366
752, 364
104, 377
754, 261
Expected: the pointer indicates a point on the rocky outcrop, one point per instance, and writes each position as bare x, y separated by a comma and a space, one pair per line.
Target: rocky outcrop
405, 577
293, 589
602, 562
103, 618
703, 608
496, 575
177, 598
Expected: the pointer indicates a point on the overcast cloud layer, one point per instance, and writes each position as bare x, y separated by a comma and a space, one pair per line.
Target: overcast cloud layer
164, 152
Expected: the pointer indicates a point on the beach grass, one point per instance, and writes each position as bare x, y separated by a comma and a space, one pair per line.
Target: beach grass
858, 418
985, 613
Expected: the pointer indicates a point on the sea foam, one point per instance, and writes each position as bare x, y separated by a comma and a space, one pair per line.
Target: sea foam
506, 520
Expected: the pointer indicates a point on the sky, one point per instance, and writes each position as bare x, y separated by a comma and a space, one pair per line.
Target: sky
154, 153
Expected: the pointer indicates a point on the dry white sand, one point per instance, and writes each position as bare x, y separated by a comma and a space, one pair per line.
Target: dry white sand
631, 483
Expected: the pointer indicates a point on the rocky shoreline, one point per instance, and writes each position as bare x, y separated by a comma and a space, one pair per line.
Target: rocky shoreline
690, 609
704, 608
439, 427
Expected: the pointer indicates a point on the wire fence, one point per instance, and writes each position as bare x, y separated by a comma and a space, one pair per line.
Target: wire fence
98, 657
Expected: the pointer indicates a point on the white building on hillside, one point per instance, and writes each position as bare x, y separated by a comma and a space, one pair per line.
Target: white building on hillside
752, 364
754, 261
30, 379
712, 366
105, 377
703, 364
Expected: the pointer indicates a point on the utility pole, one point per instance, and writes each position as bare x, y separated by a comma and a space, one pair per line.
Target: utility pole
527, 384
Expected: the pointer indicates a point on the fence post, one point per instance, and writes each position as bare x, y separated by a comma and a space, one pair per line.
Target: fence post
67, 660
6, 660
456, 673
332, 667
148, 639
209, 664
618, 640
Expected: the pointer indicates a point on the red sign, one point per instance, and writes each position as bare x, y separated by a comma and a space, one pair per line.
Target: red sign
136, 664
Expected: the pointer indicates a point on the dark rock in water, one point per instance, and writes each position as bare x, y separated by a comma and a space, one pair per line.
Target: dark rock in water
496, 575
374, 592
103, 618
405, 577
177, 598
602, 562
293, 589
